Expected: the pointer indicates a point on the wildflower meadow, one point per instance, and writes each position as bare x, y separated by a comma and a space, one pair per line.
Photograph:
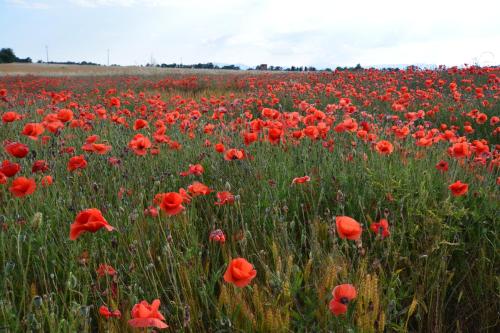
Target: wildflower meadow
346, 201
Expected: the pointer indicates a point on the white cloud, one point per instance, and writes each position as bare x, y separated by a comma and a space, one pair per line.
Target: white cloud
28, 4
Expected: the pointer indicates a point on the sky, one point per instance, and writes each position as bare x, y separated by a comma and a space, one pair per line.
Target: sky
316, 33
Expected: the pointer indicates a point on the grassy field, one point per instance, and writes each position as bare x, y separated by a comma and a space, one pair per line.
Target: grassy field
88, 70
118, 189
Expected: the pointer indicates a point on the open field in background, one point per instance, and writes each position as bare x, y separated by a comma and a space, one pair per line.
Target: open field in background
87, 70
185, 172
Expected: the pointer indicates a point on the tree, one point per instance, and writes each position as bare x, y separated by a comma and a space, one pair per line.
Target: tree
7, 55
233, 67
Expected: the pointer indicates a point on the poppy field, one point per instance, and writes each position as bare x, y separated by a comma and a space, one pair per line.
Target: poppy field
346, 201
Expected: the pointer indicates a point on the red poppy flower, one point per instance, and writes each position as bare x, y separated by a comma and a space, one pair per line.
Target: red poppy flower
77, 162
54, 126
87, 146
480, 147
458, 188
100, 148
104, 270
274, 135
348, 227
40, 166
146, 315
301, 180
9, 117
384, 147
33, 130
22, 186
114, 161
362, 134
88, 220
224, 198
68, 150
401, 133
217, 236
174, 145
9, 169
342, 295
481, 118
140, 144
105, 312
209, 128
65, 115
47, 181
381, 228
234, 154
151, 211
442, 166
16, 149
460, 150
196, 169
114, 101
297, 134
140, 123
240, 272
249, 137
348, 124
219, 147
171, 203
198, 188
269, 113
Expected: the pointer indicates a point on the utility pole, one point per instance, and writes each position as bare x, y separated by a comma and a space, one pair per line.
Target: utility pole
108, 57
47, 52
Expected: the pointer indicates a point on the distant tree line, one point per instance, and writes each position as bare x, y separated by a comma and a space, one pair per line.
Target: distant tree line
390, 69
357, 68
295, 69
88, 63
265, 67
208, 65
7, 56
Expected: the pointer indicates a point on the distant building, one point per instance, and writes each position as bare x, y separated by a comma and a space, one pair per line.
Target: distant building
261, 67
